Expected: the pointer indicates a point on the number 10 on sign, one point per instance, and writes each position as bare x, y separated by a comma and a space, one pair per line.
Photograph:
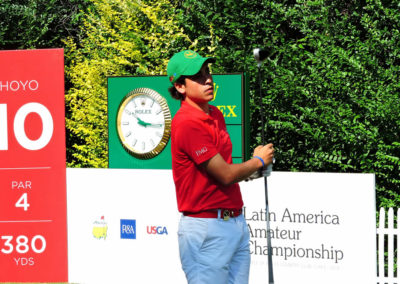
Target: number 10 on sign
19, 129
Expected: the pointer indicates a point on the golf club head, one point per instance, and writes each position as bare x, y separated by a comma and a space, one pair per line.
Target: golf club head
260, 54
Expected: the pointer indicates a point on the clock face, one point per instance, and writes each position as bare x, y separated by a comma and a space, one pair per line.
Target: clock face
144, 123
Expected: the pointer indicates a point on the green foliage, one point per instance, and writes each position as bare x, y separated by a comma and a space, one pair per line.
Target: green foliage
120, 38
28, 24
331, 89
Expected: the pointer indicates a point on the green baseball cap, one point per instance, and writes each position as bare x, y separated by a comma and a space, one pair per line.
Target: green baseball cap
185, 63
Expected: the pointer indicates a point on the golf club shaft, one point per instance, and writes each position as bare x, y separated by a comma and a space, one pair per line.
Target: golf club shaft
270, 266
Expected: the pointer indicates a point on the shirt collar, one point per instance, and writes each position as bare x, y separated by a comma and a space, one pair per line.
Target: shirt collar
186, 107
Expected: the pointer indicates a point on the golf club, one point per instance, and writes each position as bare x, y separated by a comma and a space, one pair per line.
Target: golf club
260, 55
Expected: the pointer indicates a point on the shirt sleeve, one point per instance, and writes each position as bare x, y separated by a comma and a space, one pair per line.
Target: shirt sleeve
196, 141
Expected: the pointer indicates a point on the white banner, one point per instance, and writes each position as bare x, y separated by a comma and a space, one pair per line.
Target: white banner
323, 228
122, 227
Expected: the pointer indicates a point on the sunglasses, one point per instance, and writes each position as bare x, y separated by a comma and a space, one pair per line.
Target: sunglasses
202, 74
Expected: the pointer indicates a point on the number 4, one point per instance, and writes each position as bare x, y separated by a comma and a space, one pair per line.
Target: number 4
23, 202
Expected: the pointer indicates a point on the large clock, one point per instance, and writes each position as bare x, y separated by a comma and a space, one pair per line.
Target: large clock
144, 123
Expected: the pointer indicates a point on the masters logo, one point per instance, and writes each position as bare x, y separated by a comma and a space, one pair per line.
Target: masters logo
190, 54
100, 229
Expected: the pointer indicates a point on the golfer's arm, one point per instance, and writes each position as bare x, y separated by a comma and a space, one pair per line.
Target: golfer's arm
228, 174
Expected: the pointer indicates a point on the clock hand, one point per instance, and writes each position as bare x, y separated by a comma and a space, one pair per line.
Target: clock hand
140, 122
155, 125
144, 123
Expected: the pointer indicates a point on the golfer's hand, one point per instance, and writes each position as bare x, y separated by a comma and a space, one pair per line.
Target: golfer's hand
265, 152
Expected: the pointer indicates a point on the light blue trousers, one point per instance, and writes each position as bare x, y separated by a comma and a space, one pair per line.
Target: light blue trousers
214, 251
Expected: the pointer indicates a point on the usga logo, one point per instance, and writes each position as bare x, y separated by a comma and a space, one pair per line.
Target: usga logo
128, 229
157, 230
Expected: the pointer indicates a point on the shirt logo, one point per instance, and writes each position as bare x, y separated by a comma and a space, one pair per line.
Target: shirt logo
201, 151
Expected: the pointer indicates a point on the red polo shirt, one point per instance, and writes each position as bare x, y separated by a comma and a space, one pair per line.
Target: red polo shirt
195, 138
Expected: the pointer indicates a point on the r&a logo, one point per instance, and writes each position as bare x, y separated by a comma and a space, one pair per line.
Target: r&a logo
128, 229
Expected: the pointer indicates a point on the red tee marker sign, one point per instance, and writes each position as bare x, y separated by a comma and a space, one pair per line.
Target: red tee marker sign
33, 213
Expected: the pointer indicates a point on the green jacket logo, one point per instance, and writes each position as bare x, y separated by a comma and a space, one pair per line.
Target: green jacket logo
190, 54
100, 229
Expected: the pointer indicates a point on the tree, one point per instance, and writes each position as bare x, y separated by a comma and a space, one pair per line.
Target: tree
28, 24
120, 38
330, 90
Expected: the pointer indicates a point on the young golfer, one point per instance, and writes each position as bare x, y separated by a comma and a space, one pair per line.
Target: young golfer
213, 234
